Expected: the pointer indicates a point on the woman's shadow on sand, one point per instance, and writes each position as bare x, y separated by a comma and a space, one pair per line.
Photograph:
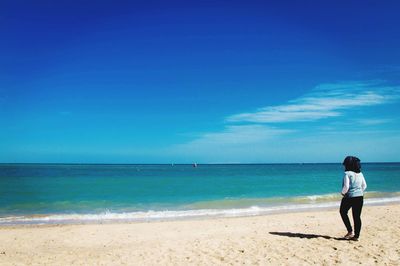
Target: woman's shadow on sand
308, 236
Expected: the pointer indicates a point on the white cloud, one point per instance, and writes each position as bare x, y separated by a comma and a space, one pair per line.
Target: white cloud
329, 100
230, 144
244, 134
374, 121
257, 142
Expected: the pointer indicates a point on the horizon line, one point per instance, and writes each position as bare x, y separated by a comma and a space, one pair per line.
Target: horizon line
194, 163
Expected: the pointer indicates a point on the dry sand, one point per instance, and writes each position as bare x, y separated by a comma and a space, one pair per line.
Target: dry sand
289, 239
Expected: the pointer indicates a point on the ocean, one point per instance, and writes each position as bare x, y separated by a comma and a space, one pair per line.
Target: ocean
81, 193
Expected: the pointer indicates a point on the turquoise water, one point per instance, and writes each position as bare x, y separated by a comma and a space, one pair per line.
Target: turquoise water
65, 192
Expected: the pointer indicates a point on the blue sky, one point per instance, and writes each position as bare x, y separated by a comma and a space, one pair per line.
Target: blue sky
206, 82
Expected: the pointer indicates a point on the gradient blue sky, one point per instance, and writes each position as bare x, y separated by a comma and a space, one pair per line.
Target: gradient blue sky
206, 82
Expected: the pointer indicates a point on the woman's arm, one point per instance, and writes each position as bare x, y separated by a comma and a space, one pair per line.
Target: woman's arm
346, 185
363, 184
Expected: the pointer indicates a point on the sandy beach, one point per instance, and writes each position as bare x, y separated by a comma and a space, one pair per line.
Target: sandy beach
290, 239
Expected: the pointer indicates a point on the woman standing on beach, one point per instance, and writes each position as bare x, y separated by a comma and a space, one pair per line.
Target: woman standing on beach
353, 196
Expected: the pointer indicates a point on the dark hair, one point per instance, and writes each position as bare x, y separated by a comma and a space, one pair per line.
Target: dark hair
352, 163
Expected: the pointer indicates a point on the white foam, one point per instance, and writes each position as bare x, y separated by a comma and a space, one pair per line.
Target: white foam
151, 215
156, 215
374, 201
323, 197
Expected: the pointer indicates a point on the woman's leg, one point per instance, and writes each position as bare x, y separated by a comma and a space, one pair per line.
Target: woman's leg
356, 210
344, 208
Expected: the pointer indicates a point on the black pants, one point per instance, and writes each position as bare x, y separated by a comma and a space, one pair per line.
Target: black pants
356, 205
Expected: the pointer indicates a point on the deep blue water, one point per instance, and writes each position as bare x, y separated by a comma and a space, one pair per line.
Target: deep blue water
47, 189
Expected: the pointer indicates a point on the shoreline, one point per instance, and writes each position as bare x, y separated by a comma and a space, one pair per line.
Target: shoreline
286, 238
109, 217
189, 219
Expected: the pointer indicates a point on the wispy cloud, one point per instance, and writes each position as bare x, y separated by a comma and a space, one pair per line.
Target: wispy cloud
262, 134
327, 100
374, 121
243, 134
